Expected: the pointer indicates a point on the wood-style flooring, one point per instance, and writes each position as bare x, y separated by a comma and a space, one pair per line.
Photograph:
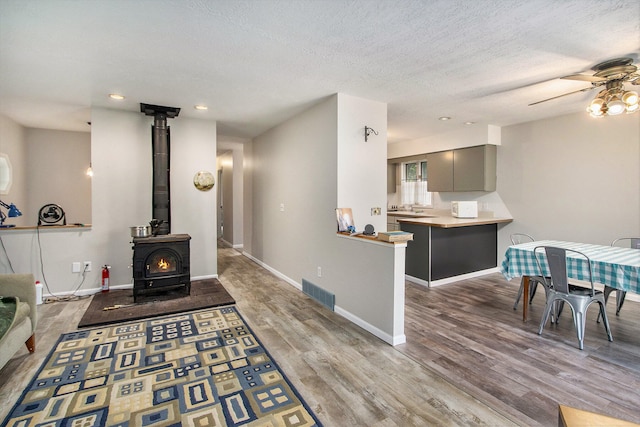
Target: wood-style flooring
469, 359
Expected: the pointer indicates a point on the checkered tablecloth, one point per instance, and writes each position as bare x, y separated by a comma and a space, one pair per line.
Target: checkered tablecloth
613, 266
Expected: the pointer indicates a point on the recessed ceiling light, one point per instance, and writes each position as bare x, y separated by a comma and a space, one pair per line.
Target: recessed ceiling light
444, 118
201, 107
469, 123
116, 96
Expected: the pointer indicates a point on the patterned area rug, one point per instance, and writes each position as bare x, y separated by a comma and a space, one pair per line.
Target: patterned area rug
203, 368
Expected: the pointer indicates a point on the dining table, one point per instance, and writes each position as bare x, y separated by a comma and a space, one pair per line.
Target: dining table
613, 266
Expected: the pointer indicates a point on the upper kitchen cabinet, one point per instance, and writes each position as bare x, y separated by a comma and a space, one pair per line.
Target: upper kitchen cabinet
464, 169
391, 178
440, 171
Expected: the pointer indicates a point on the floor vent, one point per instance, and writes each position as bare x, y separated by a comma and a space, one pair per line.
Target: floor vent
324, 297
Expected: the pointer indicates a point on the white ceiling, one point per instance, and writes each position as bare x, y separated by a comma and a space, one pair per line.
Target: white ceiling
256, 63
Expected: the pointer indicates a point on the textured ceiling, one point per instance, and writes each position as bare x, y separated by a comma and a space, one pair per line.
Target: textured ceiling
256, 63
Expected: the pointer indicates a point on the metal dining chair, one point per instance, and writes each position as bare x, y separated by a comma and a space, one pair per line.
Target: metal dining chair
516, 239
560, 290
634, 243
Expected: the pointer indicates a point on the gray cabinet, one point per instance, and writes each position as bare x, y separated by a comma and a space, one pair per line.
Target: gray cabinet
440, 171
438, 253
464, 169
391, 178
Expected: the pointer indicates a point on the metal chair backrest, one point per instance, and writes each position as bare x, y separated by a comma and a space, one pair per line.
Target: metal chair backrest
557, 262
634, 242
517, 238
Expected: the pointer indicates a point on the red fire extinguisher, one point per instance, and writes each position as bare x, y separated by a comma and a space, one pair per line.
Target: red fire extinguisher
105, 278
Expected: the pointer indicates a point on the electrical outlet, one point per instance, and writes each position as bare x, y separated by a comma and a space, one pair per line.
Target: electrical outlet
319, 271
75, 267
87, 266
376, 211
281, 207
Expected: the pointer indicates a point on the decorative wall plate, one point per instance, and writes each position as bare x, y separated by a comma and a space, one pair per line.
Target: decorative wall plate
203, 180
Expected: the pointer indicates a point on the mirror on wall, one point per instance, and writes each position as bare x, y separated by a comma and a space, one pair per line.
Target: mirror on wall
5, 174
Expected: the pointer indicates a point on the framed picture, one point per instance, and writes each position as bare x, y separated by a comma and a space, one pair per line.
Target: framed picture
344, 216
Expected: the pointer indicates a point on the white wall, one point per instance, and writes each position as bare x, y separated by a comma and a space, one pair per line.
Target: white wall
361, 181
121, 189
572, 178
467, 137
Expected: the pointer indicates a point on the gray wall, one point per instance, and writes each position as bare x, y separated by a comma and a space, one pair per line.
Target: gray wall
311, 164
56, 167
231, 163
572, 178
13, 144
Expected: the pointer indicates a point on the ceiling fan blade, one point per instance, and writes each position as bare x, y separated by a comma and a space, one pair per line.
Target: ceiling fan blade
584, 78
560, 96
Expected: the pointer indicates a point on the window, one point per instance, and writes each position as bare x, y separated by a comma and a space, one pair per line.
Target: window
413, 190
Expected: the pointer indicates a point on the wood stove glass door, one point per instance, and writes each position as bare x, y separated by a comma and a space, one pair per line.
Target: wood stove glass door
163, 262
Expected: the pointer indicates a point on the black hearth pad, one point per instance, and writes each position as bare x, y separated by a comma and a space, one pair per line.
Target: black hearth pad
204, 294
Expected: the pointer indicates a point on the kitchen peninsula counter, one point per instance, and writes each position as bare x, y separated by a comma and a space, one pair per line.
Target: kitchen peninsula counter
445, 247
449, 221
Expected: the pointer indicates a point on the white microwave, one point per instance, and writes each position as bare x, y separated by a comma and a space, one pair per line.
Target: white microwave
464, 209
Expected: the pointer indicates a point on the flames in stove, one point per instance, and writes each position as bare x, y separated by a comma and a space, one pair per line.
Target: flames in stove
163, 264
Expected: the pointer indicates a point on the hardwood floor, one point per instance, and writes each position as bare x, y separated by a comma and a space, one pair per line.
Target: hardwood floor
469, 359
469, 333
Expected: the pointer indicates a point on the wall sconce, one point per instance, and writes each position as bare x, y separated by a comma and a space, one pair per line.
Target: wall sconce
368, 131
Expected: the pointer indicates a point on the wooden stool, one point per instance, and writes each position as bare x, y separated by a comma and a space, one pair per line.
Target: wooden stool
572, 417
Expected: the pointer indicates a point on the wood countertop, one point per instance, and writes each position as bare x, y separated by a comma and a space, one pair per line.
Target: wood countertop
76, 226
451, 222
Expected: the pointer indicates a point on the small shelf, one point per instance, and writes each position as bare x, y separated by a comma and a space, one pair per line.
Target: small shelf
49, 227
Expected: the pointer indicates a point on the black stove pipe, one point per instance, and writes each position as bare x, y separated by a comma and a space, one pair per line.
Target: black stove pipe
161, 203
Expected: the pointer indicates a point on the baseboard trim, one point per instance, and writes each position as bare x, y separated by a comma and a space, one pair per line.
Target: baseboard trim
453, 279
389, 339
392, 340
92, 291
273, 271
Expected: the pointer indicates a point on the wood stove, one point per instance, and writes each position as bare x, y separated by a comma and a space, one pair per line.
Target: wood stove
161, 263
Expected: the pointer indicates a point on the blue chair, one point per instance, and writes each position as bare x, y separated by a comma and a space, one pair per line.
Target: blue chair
561, 291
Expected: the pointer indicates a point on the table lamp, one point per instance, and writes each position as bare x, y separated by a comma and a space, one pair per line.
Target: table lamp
12, 211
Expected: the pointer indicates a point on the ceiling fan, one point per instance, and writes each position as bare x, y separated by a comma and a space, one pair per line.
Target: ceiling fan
611, 74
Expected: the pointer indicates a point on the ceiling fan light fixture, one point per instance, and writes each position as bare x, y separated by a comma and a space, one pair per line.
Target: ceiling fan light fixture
632, 108
596, 113
596, 106
615, 106
630, 97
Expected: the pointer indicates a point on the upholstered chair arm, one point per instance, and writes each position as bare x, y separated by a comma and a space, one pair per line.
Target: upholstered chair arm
22, 286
